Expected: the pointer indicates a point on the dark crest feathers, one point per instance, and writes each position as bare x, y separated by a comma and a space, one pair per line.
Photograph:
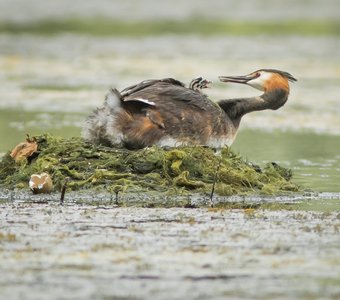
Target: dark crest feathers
287, 75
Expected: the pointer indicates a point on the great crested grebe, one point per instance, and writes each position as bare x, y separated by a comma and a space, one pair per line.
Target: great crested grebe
166, 113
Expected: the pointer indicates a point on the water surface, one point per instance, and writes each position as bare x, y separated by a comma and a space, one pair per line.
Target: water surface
314, 158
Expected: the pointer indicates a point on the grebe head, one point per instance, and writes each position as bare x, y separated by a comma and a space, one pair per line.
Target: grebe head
263, 79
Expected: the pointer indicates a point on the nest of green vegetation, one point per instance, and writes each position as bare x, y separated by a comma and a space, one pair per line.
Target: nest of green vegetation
175, 171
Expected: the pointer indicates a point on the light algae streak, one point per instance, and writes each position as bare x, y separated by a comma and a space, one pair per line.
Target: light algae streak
109, 27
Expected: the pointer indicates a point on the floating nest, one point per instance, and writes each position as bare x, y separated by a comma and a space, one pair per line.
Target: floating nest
175, 171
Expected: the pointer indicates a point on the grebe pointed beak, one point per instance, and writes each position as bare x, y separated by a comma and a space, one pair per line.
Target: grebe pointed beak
238, 79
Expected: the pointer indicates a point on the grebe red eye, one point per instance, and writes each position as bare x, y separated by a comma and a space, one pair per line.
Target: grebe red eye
257, 74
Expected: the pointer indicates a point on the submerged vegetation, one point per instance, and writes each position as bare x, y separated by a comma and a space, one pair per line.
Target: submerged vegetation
176, 171
108, 27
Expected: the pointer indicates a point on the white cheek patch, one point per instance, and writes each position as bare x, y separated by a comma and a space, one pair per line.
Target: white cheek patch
259, 82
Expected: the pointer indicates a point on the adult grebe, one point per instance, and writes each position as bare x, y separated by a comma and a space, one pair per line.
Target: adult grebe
166, 113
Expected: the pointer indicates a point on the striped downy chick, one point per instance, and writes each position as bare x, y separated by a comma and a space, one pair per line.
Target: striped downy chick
199, 83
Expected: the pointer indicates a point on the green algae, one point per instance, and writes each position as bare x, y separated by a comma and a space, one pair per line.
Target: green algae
170, 172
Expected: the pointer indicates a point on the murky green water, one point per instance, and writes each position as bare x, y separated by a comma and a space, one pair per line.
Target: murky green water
15, 124
314, 158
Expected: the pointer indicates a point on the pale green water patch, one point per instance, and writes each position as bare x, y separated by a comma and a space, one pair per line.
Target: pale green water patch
55, 87
314, 158
15, 124
321, 205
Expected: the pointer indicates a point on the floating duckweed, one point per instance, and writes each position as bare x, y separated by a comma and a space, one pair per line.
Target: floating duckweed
177, 171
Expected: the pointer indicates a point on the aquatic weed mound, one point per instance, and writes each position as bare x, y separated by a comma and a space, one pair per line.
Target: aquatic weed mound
176, 171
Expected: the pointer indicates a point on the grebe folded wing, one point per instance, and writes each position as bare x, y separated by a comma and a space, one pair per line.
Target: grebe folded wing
146, 83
